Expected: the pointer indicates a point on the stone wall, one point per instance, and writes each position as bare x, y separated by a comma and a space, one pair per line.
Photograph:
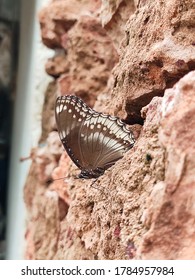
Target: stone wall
135, 60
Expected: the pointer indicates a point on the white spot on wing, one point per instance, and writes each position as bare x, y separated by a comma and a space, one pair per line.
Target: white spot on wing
63, 132
83, 114
57, 109
61, 107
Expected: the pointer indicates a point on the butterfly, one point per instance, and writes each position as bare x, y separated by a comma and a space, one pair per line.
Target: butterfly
94, 141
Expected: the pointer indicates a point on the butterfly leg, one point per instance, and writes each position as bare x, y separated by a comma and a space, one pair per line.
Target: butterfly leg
94, 181
92, 185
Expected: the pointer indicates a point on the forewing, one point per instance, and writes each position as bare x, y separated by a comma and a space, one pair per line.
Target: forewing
69, 122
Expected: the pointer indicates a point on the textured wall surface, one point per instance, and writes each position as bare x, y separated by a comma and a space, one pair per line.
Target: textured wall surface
133, 59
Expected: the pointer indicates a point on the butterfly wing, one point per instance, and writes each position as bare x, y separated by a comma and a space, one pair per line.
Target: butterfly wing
68, 124
116, 139
94, 141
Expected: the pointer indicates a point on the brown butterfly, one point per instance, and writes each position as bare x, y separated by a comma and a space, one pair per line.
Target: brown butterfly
94, 141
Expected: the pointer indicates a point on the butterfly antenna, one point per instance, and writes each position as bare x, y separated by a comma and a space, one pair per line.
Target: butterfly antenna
25, 158
53, 180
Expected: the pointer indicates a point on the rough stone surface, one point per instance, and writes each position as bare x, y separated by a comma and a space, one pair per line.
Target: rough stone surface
90, 57
85, 55
114, 15
109, 217
58, 17
171, 213
157, 52
142, 207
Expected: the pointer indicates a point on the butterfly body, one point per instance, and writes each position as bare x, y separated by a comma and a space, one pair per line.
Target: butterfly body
94, 141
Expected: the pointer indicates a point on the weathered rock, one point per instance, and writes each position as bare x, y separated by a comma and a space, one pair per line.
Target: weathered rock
59, 16
170, 213
91, 57
82, 64
57, 65
114, 15
42, 232
109, 218
48, 122
142, 207
157, 52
